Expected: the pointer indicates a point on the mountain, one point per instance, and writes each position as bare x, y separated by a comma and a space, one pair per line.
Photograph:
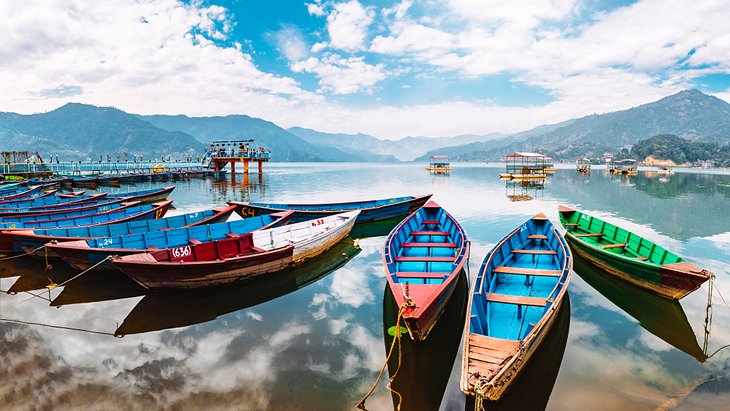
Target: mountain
284, 145
688, 114
77, 131
406, 149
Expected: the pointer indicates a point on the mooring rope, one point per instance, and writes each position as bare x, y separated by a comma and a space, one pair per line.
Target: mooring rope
479, 394
361, 404
24, 254
59, 327
84, 272
708, 315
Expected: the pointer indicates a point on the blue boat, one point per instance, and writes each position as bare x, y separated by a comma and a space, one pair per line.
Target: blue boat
423, 257
47, 203
32, 239
142, 212
513, 303
65, 214
370, 211
145, 196
83, 254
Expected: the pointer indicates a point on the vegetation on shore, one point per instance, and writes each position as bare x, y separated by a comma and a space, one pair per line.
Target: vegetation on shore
679, 150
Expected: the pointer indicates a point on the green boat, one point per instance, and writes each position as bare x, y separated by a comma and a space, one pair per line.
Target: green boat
630, 256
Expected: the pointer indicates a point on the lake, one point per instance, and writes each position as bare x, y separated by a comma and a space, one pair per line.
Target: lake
313, 338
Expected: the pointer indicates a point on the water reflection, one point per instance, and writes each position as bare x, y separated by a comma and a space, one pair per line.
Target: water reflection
533, 386
662, 317
524, 190
426, 366
160, 311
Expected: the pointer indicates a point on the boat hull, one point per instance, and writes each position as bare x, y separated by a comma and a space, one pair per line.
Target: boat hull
367, 215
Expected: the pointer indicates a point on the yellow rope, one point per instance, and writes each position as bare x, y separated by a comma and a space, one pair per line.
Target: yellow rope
361, 403
479, 393
22, 255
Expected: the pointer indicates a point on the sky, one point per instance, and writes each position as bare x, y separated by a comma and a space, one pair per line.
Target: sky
387, 68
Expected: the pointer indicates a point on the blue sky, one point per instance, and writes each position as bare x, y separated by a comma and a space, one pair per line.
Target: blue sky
386, 68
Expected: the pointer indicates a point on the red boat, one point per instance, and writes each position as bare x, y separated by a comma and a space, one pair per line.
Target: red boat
423, 257
244, 257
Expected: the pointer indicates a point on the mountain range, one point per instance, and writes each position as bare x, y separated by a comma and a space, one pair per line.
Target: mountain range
79, 131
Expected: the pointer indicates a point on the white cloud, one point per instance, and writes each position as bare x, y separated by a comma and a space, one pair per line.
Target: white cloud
291, 44
347, 25
316, 9
339, 75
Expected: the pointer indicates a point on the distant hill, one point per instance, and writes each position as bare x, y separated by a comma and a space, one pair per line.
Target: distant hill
76, 131
406, 149
689, 114
284, 145
680, 150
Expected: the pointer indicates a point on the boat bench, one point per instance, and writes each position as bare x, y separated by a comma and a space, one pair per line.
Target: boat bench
435, 245
526, 271
443, 233
589, 235
571, 224
541, 252
516, 299
622, 245
425, 259
431, 222
421, 274
537, 237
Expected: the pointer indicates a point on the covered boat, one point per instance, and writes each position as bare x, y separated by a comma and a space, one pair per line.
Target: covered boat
630, 256
422, 257
82, 254
372, 210
32, 239
513, 303
238, 258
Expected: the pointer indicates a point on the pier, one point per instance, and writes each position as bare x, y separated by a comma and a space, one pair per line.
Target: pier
223, 152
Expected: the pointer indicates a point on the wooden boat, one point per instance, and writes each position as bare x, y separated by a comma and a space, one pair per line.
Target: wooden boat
49, 203
32, 239
82, 254
439, 165
108, 180
145, 196
244, 257
630, 256
65, 214
665, 170
71, 194
373, 210
422, 257
21, 193
10, 202
513, 304
84, 181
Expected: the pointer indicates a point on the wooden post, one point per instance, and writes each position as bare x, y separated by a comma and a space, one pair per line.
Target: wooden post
245, 167
233, 167
261, 167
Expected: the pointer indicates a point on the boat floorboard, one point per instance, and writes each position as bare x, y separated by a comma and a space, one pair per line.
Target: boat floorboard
488, 354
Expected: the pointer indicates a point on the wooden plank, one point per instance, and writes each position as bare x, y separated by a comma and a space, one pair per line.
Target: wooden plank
537, 237
421, 274
435, 245
487, 358
527, 271
549, 252
641, 258
425, 259
589, 235
571, 224
430, 233
431, 222
479, 340
516, 299
620, 245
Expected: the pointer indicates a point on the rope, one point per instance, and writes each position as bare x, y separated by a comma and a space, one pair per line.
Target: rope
719, 293
361, 404
24, 254
708, 315
479, 394
59, 327
84, 272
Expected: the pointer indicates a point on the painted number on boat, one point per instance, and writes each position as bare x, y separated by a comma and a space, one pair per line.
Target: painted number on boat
159, 213
182, 252
247, 211
317, 222
105, 241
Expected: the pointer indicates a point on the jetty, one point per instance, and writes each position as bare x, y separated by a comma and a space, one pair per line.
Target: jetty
223, 152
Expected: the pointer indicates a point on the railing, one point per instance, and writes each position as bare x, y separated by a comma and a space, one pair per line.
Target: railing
98, 166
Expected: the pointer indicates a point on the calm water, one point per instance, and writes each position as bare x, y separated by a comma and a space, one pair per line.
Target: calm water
313, 338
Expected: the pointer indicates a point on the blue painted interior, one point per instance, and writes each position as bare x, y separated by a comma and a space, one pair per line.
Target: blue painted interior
133, 193
403, 233
181, 236
38, 202
513, 321
61, 215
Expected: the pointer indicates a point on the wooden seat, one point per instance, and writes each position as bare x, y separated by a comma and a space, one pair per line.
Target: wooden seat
641, 258
193, 241
436, 245
621, 245
537, 237
430, 233
526, 271
431, 222
572, 224
425, 259
522, 251
589, 235
516, 299
421, 274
